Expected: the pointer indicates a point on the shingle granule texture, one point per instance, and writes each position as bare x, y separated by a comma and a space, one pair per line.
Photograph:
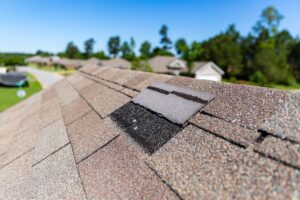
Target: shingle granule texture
89, 133
148, 129
15, 179
115, 172
19, 145
86, 131
225, 129
286, 121
75, 110
248, 106
57, 177
50, 139
280, 150
200, 166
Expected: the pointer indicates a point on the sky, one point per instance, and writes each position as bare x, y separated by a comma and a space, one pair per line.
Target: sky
28, 25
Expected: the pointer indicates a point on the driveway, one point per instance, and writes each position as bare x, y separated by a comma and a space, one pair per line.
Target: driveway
45, 78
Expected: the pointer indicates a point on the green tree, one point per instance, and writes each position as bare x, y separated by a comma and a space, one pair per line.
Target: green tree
225, 50
271, 49
89, 47
165, 40
294, 59
100, 55
127, 50
145, 50
181, 46
114, 46
269, 20
72, 51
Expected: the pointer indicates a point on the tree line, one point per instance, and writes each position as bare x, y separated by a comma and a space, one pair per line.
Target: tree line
266, 55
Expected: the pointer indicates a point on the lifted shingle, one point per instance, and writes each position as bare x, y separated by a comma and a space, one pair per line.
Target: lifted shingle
177, 104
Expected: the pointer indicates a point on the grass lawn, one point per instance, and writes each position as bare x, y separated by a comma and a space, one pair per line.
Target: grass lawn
60, 71
8, 95
276, 86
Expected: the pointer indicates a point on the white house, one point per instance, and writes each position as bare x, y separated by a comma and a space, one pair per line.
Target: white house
207, 71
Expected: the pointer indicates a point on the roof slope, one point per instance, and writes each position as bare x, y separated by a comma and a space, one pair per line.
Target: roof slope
81, 139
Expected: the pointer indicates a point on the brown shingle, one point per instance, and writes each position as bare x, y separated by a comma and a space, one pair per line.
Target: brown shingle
225, 129
75, 110
15, 179
281, 150
89, 133
116, 172
50, 139
18, 146
83, 83
57, 177
248, 106
107, 101
199, 165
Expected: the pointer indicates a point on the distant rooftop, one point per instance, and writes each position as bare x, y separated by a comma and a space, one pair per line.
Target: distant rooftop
98, 134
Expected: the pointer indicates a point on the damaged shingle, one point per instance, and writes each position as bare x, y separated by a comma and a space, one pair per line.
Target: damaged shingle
148, 129
177, 104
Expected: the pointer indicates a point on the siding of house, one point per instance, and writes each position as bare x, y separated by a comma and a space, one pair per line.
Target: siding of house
208, 73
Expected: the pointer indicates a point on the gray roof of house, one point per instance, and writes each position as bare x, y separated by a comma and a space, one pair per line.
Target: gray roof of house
85, 138
160, 63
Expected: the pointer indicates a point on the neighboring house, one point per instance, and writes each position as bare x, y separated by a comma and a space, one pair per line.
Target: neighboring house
70, 63
167, 65
116, 63
207, 71
38, 60
94, 61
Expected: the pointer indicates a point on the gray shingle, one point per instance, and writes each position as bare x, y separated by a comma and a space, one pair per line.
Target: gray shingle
174, 108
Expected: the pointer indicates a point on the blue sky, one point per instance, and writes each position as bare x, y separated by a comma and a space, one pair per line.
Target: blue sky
28, 25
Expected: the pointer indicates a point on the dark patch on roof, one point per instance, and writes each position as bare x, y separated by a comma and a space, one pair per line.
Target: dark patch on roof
145, 127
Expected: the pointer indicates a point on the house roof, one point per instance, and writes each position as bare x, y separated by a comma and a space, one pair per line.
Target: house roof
117, 63
160, 64
84, 137
200, 65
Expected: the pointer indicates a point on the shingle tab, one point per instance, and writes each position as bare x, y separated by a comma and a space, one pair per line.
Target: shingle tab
89, 133
199, 165
115, 172
148, 129
50, 139
280, 150
57, 177
285, 122
224, 129
175, 103
75, 110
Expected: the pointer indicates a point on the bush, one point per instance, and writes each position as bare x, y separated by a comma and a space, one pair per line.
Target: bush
259, 78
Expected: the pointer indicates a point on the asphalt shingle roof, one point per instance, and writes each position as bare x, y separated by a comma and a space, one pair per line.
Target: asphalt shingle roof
84, 138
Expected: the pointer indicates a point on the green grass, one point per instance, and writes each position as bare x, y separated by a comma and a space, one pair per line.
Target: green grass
276, 86
57, 70
8, 95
